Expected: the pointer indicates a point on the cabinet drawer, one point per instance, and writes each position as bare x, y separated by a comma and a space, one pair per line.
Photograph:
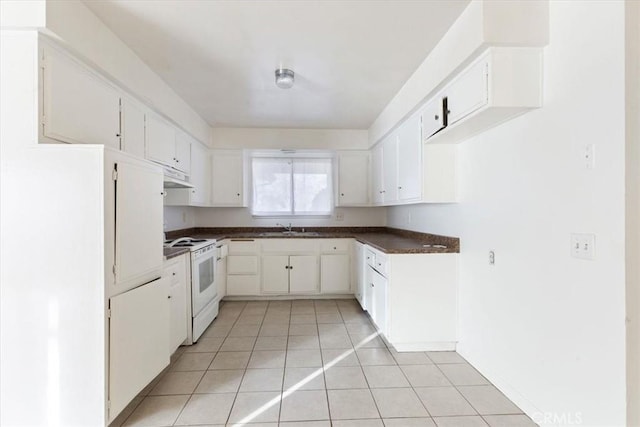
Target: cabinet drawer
370, 258
381, 264
242, 264
243, 247
175, 269
243, 285
335, 245
173, 272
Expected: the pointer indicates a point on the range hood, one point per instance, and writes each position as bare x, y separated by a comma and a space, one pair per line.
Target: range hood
175, 179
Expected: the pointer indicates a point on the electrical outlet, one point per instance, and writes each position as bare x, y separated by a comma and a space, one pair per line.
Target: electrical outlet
492, 258
184, 217
339, 216
583, 245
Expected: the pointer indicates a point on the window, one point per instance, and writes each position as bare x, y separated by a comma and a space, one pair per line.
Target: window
292, 186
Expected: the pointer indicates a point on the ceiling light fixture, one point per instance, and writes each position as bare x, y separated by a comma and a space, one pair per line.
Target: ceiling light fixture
284, 78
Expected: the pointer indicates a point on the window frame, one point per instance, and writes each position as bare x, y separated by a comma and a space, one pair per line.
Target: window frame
294, 155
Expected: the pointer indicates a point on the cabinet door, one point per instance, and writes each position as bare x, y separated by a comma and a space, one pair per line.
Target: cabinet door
275, 274
177, 315
359, 265
367, 293
377, 184
138, 220
410, 159
468, 92
433, 117
221, 272
379, 301
160, 141
79, 107
138, 340
353, 178
335, 274
200, 175
227, 168
183, 152
244, 284
132, 127
390, 168
303, 275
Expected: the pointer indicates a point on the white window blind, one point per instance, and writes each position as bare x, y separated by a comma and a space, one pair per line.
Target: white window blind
292, 186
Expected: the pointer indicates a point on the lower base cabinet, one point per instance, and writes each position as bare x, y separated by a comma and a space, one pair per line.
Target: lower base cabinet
412, 298
138, 340
335, 274
177, 271
289, 274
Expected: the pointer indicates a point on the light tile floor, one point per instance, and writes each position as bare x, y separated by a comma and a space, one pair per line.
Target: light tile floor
314, 364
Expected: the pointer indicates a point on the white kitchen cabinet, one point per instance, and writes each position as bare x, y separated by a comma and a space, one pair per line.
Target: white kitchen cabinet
412, 299
200, 178
390, 168
78, 105
183, 152
303, 274
132, 127
289, 274
138, 340
228, 171
502, 83
177, 271
377, 179
468, 92
335, 274
353, 178
335, 266
290, 266
160, 141
221, 268
359, 265
275, 274
138, 238
409, 161
243, 270
379, 309
434, 116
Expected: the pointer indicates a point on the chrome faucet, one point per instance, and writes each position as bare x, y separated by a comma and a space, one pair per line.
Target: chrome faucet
288, 228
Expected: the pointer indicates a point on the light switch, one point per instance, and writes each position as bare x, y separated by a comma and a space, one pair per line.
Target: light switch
583, 245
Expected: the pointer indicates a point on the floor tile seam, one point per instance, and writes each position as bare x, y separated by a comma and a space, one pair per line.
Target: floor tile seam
124, 422
462, 394
324, 378
182, 410
244, 373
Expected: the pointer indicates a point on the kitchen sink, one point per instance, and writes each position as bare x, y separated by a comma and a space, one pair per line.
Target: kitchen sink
289, 234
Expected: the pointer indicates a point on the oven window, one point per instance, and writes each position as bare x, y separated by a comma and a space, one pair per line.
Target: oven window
205, 271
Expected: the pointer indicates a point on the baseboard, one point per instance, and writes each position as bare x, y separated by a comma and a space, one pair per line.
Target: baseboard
287, 297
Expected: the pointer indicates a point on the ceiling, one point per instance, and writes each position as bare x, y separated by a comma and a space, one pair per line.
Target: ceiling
350, 57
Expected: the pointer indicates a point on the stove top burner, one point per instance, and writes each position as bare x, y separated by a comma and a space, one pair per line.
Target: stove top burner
188, 242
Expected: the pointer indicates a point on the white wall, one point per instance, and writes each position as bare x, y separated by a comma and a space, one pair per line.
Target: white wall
241, 217
546, 328
88, 36
179, 217
331, 139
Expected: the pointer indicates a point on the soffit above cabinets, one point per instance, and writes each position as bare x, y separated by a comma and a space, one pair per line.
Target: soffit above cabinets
350, 57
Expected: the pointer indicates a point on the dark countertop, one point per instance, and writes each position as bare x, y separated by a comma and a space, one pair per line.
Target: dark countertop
385, 239
174, 252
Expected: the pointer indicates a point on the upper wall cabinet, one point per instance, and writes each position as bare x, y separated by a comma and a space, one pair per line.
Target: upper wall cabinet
167, 145
405, 171
132, 127
353, 178
200, 178
501, 84
229, 181
77, 105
